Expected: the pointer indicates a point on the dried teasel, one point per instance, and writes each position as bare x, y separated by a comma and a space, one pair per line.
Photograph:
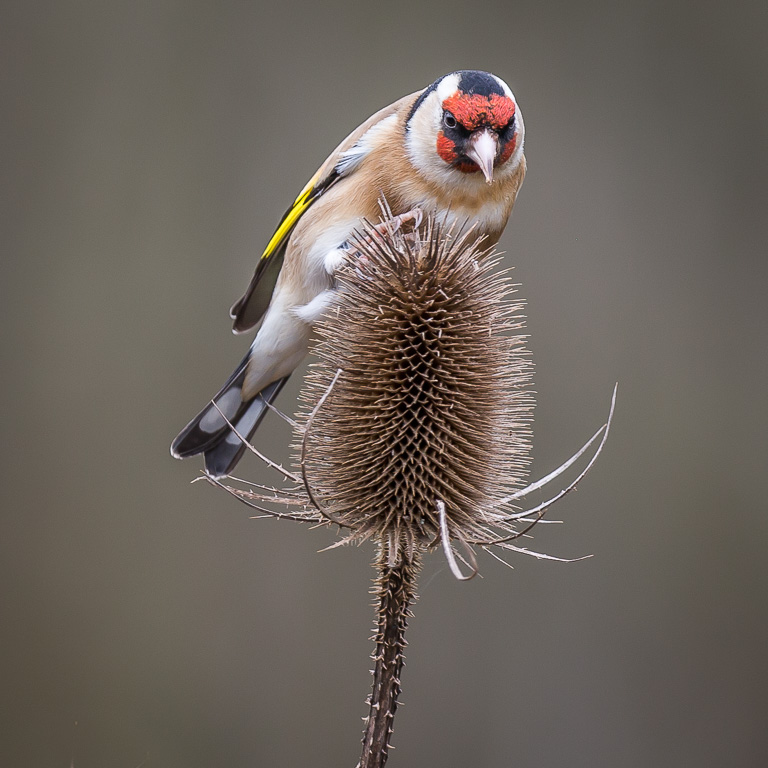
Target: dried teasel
415, 425
431, 407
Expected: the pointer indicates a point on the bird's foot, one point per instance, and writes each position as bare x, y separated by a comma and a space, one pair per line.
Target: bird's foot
413, 217
351, 249
383, 229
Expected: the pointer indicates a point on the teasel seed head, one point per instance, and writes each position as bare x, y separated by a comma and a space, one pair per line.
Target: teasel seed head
416, 415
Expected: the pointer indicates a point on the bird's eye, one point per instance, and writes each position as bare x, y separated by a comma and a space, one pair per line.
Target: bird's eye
510, 126
449, 121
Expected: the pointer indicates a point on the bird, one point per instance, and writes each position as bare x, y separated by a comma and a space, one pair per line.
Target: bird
453, 150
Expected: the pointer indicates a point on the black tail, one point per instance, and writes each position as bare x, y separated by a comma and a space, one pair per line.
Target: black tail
209, 432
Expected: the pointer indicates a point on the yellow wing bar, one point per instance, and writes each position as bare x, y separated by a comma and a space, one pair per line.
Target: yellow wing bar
302, 202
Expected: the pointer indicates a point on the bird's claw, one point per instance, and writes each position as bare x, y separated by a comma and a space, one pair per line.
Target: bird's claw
389, 226
413, 217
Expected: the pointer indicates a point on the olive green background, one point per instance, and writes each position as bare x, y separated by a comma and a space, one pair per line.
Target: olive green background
149, 149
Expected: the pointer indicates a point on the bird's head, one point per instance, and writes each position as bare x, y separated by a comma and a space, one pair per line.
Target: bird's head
466, 123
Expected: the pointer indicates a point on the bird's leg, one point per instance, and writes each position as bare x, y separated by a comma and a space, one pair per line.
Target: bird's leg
415, 215
388, 227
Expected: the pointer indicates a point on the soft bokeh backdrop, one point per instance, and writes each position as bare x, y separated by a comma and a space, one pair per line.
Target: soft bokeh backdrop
149, 149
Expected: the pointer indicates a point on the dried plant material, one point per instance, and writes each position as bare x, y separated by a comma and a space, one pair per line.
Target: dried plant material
415, 426
430, 399
395, 591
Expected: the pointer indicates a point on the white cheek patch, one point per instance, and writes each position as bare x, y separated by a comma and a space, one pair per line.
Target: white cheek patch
420, 140
514, 161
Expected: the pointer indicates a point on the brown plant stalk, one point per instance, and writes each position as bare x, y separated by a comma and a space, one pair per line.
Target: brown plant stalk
395, 590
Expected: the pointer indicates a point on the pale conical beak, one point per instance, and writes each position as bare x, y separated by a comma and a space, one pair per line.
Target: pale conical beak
483, 146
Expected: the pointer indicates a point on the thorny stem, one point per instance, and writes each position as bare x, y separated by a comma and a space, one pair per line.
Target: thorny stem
395, 588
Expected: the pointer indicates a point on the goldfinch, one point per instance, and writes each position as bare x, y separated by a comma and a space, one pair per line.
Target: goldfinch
454, 149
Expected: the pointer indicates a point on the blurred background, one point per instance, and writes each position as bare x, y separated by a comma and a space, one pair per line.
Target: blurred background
149, 150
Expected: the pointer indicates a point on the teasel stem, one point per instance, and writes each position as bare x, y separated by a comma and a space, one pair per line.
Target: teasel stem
395, 588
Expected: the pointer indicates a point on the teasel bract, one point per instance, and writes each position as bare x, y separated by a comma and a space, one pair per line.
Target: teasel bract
415, 424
